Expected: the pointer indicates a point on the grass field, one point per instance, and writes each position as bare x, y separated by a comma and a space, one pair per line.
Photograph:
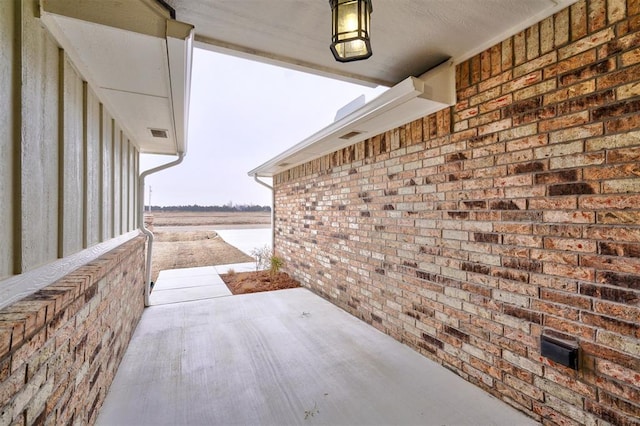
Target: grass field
214, 220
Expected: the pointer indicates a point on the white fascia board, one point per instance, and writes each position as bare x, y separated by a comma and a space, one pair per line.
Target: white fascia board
405, 102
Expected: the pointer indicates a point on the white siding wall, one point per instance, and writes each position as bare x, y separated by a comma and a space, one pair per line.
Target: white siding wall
68, 174
40, 134
125, 184
107, 174
117, 180
93, 168
7, 120
71, 161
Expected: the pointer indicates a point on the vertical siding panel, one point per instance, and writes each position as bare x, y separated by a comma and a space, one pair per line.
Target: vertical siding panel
39, 134
72, 161
107, 174
8, 119
117, 180
124, 169
136, 197
93, 168
132, 188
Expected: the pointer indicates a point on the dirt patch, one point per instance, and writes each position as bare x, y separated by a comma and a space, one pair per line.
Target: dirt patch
254, 282
189, 249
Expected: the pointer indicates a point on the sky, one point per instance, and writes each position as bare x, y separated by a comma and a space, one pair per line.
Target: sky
242, 114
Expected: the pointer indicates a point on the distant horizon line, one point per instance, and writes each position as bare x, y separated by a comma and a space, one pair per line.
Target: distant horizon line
230, 207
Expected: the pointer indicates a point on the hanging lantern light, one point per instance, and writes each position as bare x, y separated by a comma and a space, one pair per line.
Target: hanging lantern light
350, 36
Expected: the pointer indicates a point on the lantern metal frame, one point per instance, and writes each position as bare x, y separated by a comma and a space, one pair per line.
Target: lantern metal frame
342, 38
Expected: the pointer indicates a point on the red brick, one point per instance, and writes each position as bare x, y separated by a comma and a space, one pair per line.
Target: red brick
614, 310
615, 294
578, 20
618, 217
612, 202
507, 54
5, 340
569, 327
570, 64
622, 185
546, 35
552, 417
617, 78
611, 324
462, 75
632, 410
569, 92
562, 27
628, 91
608, 415
573, 133
618, 372
616, 10
623, 155
542, 180
612, 172
563, 298
597, 15
586, 43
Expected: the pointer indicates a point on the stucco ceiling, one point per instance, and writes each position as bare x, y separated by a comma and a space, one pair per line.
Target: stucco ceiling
408, 37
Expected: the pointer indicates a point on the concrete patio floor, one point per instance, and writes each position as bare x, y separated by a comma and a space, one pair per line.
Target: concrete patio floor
280, 358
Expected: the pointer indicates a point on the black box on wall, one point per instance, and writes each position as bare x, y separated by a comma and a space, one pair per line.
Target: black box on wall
560, 351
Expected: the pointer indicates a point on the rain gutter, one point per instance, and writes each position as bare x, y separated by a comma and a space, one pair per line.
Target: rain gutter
145, 230
273, 211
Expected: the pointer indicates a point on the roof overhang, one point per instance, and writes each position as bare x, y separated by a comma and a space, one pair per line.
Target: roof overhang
137, 58
408, 37
407, 101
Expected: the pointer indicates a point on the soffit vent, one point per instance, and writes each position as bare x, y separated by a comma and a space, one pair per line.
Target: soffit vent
350, 135
159, 133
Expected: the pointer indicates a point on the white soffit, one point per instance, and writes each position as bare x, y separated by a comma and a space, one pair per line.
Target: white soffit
407, 101
408, 37
136, 58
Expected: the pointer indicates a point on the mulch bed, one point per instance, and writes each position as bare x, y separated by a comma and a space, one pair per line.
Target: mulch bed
253, 282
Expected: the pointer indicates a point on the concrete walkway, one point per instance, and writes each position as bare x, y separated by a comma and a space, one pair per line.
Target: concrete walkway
201, 356
189, 284
283, 358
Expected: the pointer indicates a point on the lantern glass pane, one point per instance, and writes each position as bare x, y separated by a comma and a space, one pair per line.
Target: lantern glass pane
355, 48
348, 17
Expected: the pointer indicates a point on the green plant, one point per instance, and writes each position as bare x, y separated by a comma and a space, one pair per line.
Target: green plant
276, 264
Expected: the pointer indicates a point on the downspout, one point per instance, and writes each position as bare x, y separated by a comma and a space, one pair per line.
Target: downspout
147, 232
273, 212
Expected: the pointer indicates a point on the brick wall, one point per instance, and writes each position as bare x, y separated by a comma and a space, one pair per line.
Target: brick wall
470, 232
60, 348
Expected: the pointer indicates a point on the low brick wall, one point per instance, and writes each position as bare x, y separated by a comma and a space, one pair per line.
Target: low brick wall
60, 348
469, 233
